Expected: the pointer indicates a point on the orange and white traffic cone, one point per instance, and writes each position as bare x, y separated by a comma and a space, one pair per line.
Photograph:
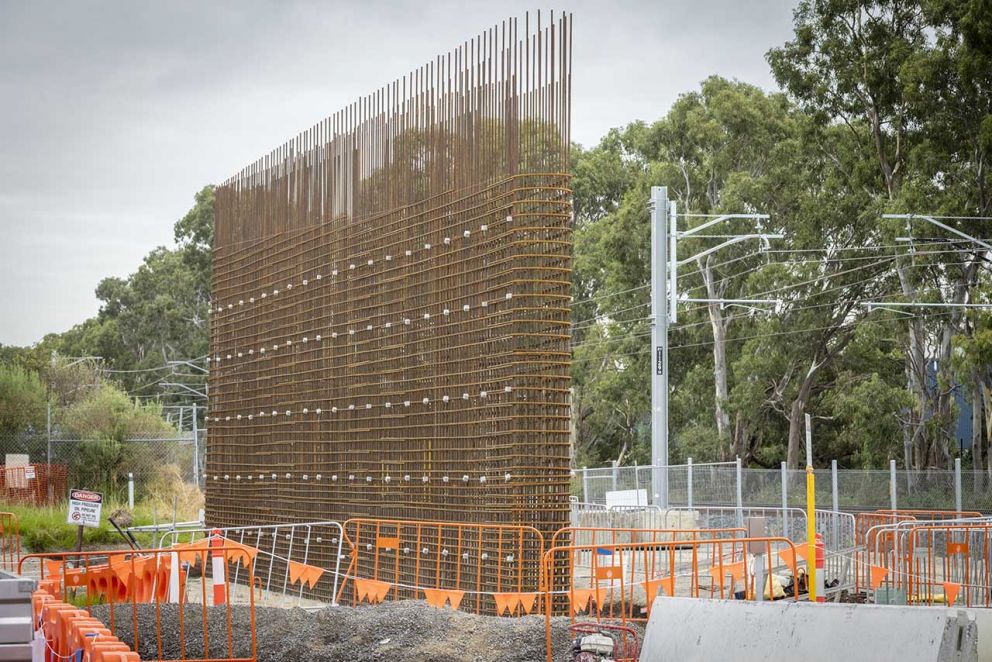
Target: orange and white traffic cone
219, 567
821, 591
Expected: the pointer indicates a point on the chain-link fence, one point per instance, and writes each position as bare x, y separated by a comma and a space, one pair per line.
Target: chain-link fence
105, 465
728, 484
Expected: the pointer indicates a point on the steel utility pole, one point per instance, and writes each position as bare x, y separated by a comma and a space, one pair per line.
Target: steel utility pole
659, 341
664, 309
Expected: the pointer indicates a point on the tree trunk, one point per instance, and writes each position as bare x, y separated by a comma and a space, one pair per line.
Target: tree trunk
916, 374
797, 416
719, 326
976, 432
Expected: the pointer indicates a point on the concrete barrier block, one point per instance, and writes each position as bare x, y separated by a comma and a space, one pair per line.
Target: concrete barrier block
688, 629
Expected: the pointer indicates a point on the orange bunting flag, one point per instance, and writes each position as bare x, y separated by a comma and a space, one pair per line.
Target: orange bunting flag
305, 574
735, 570
527, 601
192, 552
512, 602
243, 554
877, 576
951, 590
437, 597
373, 589
788, 558
667, 584
580, 598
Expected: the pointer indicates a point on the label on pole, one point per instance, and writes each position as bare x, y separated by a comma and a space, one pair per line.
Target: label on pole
84, 508
659, 361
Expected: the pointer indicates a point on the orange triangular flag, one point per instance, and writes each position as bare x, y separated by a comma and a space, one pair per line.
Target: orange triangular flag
667, 584
579, 598
788, 558
951, 590
877, 576
372, 589
312, 575
505, 602
437, 597
735, 570
236, 551
527, 601
296, 570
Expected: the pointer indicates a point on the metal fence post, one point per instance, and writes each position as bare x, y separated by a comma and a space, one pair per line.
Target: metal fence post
835, 501
130, 491
740, 500
785, 500
585, 484
689, 485
616, 470
637, 487
892, 484
957, 484
48, 469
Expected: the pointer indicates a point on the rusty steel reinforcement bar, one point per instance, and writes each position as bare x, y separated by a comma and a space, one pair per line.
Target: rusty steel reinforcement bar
390, 312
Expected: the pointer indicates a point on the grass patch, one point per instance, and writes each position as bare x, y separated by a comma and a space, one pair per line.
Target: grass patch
44, 529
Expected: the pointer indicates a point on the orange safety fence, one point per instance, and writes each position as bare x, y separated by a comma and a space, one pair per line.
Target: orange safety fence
10, 541
34, 484
128, 583
72, 633
481, 568
620, 582
946, 564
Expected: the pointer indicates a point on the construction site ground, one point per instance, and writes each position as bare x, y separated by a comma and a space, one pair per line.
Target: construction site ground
404, 630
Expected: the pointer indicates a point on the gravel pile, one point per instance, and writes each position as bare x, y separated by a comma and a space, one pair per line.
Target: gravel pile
403, 630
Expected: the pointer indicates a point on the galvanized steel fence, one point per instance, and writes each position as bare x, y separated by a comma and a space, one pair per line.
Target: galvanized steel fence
729, 484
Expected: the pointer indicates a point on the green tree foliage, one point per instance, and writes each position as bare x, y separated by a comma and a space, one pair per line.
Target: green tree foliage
160, 313
22, 400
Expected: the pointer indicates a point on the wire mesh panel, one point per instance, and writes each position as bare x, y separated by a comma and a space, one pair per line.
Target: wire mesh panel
390, 325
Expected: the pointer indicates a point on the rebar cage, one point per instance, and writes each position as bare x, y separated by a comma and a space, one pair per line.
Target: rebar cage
390, 314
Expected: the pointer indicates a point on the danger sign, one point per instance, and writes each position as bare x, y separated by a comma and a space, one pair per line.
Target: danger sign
84, 508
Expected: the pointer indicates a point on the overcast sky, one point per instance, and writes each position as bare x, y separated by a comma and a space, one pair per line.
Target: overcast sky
113, 114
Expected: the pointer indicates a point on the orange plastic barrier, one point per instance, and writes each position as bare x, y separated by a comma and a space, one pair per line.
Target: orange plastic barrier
122, 580
475, 567
10, 541
71, 633
622, 578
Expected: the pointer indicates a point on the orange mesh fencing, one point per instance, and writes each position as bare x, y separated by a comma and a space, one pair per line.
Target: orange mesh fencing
34, 485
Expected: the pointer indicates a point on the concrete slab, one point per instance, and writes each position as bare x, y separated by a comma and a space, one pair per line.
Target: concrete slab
689, 629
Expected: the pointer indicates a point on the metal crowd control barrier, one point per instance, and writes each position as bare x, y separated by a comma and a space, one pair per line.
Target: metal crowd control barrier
485, 568
591, 544
132, 586
952, 557
885, 549
310, 543
10, 541
611, 588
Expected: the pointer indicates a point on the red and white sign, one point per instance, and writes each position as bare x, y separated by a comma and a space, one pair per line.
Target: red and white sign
84, 508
